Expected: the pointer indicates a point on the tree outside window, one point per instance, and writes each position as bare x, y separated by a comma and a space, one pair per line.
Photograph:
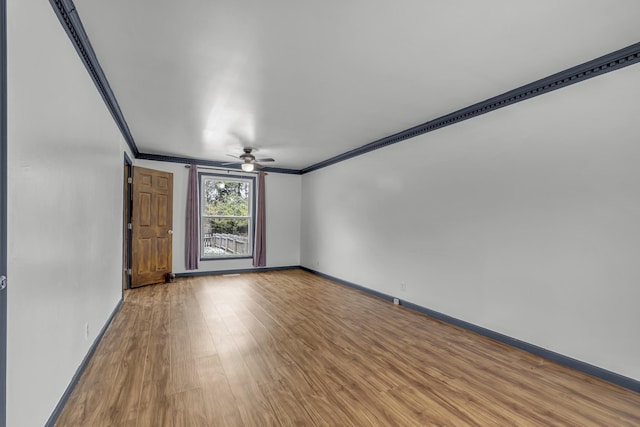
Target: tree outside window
227, 216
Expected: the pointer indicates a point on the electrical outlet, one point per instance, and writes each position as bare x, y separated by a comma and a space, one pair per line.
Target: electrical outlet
86, 331
396, 301
403, 287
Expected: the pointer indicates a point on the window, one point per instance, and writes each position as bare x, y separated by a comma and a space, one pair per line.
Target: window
226, 216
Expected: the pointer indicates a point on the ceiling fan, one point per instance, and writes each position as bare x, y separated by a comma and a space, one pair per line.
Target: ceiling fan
248, 161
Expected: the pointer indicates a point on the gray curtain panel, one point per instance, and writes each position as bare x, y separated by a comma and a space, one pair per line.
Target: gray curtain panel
191, 234
260, 247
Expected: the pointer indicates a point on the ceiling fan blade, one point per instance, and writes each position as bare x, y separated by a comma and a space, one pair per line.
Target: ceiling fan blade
230, 163
266, 159
231, 155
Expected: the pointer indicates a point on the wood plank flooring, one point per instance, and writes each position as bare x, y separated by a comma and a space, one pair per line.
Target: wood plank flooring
289, 348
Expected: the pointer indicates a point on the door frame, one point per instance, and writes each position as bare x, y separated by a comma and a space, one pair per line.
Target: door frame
3, 211
127, 205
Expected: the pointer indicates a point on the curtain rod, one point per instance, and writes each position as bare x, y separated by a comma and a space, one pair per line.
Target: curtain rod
223, 169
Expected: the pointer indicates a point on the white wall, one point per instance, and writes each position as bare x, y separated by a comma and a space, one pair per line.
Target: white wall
65, 212
524, 221
283, 200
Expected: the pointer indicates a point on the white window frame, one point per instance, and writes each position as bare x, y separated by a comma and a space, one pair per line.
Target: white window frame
204, 176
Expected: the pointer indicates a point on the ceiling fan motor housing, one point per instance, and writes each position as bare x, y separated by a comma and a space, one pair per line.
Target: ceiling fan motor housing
247, 158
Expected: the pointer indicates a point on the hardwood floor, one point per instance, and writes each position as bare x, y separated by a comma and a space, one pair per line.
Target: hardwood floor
290, 348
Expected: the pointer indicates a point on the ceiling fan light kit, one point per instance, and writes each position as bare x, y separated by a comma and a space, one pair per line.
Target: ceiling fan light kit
248, 161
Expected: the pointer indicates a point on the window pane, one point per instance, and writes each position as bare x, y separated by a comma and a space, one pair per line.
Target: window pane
226, 198
226, 216
225, 236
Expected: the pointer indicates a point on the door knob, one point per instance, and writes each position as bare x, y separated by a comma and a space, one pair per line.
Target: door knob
170, 231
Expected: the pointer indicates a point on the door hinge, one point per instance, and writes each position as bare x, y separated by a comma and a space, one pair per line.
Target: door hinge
3, 283
129, 271
130, 226
130, 180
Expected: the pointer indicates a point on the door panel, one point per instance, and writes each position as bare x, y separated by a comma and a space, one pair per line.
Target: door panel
144, 200
144, 256
163, 209
152, 225
163, 246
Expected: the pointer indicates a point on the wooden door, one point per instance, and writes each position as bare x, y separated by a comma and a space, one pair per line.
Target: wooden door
152, 226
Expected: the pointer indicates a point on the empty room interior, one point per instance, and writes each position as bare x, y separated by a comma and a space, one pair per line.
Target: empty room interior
319, 213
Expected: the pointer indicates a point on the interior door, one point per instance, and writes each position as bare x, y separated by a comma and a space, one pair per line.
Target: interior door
152, 226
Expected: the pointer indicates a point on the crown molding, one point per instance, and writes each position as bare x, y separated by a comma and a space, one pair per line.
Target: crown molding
70, 20
212, 163
66, 12
604, 64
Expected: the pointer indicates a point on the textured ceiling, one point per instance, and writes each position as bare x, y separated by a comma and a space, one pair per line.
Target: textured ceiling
306, 81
